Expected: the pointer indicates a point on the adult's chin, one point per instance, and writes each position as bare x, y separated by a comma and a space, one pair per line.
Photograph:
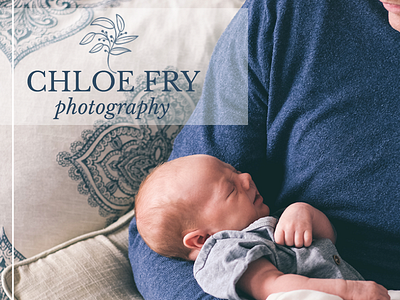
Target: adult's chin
394, 20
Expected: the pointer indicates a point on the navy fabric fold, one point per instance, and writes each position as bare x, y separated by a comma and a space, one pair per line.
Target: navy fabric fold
323, 128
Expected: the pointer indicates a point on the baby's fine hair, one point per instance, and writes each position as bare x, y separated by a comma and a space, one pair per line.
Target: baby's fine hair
163, 219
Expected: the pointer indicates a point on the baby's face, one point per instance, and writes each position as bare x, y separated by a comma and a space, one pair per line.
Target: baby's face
225, 198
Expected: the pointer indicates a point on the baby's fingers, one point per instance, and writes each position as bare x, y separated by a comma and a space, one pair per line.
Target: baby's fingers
279, 237
303, 239
307, 239
286, 238
290, 238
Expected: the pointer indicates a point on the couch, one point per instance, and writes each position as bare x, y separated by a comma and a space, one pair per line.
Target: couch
76, 77
77, 140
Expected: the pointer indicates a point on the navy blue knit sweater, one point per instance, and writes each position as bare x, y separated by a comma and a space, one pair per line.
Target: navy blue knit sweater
323, 126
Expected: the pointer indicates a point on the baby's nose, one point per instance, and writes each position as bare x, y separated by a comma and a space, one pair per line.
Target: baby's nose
245, 180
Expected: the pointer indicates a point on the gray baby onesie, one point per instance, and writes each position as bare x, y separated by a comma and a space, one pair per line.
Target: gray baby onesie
226, 255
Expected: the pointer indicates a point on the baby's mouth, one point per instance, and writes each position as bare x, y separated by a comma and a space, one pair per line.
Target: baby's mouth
257, 197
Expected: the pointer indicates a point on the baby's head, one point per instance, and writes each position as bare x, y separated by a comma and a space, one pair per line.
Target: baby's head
184, 201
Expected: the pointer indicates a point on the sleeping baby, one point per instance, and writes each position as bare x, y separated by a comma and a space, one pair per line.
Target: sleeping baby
201, 209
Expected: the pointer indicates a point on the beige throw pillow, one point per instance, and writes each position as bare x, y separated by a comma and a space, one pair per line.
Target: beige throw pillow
92, 266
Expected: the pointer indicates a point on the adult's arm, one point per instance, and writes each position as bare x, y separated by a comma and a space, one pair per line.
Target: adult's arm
243, 146
328, 72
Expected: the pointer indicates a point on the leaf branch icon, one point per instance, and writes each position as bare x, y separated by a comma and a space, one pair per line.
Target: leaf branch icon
109, 42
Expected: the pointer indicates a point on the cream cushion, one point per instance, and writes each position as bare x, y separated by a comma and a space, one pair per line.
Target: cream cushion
92, 266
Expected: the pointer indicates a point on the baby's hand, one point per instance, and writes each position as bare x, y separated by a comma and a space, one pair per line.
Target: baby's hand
366, 290
295, 226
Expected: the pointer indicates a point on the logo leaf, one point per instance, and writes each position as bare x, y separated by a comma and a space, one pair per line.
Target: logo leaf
120, 23
126, 39
96, 48
103, 22
119, 51
88, 38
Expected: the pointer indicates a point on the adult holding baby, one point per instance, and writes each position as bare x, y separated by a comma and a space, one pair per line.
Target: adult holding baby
323, 128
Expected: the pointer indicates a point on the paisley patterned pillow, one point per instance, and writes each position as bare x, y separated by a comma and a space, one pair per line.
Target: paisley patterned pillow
100, 89
6, 257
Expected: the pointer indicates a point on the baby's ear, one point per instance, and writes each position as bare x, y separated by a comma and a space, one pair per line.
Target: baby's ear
195, 239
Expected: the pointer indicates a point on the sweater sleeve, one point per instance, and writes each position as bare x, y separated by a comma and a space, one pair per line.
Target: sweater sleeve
242, 146
239, 69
